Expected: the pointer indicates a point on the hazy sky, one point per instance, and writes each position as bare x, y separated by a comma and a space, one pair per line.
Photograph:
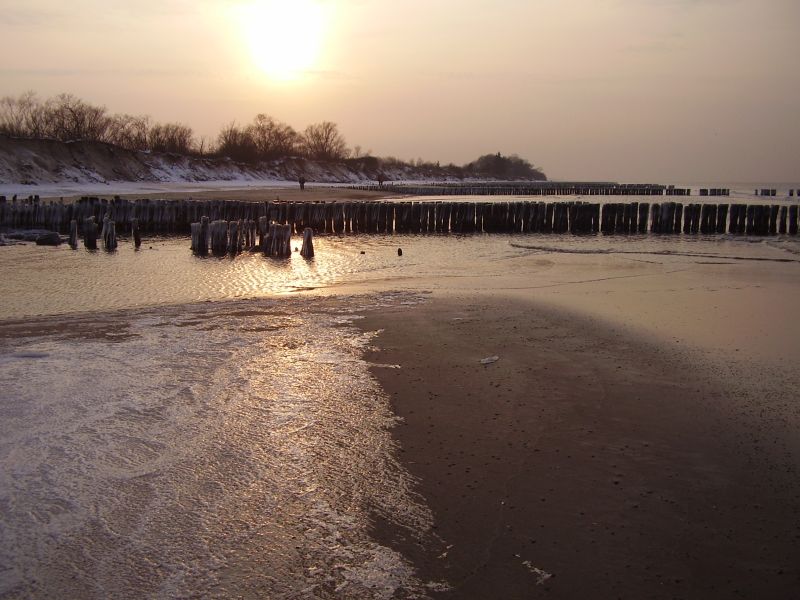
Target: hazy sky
628, 90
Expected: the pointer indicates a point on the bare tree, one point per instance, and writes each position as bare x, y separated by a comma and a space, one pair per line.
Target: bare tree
69, 118
323, 141
129, 132
272, 138
236, 143
22, 116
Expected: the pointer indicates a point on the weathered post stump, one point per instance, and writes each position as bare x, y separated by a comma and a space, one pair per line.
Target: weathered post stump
219, 237
280, 243
137, 236
109, 235
195, 229
307, 251
202, 248
263, 234
73, 234
234, 246
90, 234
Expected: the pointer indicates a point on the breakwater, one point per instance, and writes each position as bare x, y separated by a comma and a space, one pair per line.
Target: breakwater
524, 216
534, 188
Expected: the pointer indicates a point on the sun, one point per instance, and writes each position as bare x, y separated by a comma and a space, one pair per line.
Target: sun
284, 36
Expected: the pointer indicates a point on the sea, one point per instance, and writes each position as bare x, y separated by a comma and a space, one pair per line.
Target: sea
174, 426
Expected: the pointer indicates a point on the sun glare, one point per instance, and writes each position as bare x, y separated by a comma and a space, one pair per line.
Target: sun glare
284, 36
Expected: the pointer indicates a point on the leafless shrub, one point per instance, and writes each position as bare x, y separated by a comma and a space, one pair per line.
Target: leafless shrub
171, 137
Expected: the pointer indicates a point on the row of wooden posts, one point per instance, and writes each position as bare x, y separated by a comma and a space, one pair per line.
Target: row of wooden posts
108, 233
220, 237
542, 188
177, 216
232, 237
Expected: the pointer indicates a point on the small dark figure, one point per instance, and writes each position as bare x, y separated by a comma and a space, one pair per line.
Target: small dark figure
302, 181
380, 180
399, 252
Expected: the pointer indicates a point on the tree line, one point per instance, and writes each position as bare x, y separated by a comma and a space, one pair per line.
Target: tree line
67, 118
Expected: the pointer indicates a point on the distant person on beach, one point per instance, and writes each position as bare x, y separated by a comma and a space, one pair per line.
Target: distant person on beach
380, 180
302, 181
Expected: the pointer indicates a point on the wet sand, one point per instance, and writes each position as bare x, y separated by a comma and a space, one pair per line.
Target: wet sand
587, 462
253, 193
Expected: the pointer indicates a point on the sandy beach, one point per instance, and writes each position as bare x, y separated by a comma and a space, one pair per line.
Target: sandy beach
588, 462
241, 191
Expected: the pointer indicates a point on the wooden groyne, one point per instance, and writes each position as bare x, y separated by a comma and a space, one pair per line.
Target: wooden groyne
531, 188
253, 219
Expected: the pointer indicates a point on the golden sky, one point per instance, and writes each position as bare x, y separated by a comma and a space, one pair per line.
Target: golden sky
628, 90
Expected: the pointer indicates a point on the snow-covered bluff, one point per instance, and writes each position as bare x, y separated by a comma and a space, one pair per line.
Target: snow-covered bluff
31, 162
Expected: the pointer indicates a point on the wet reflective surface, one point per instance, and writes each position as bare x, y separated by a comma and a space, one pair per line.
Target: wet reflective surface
178, 426
226, 450
40, 280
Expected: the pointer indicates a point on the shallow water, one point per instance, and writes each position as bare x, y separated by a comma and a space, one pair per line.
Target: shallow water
226, 450
41, 280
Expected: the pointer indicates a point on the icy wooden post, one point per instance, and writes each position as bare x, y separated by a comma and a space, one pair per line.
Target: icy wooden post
73, 234
202, 247
280, 240
270, 239
263, 234
196, 231
219, 237
137, 236
240, 240
247, 233
90, 234
307, 251
286, 248
233, 238
110, 235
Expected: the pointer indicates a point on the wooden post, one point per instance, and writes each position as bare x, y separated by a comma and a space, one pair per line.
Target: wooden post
751, 217
722, 217
263, 231
219, 237
773, 219
285, 245
194, 228
233, 238
644, 216
655, 224
109, 235
137, 236
307, 251
90, 234
73, 234
202, 247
